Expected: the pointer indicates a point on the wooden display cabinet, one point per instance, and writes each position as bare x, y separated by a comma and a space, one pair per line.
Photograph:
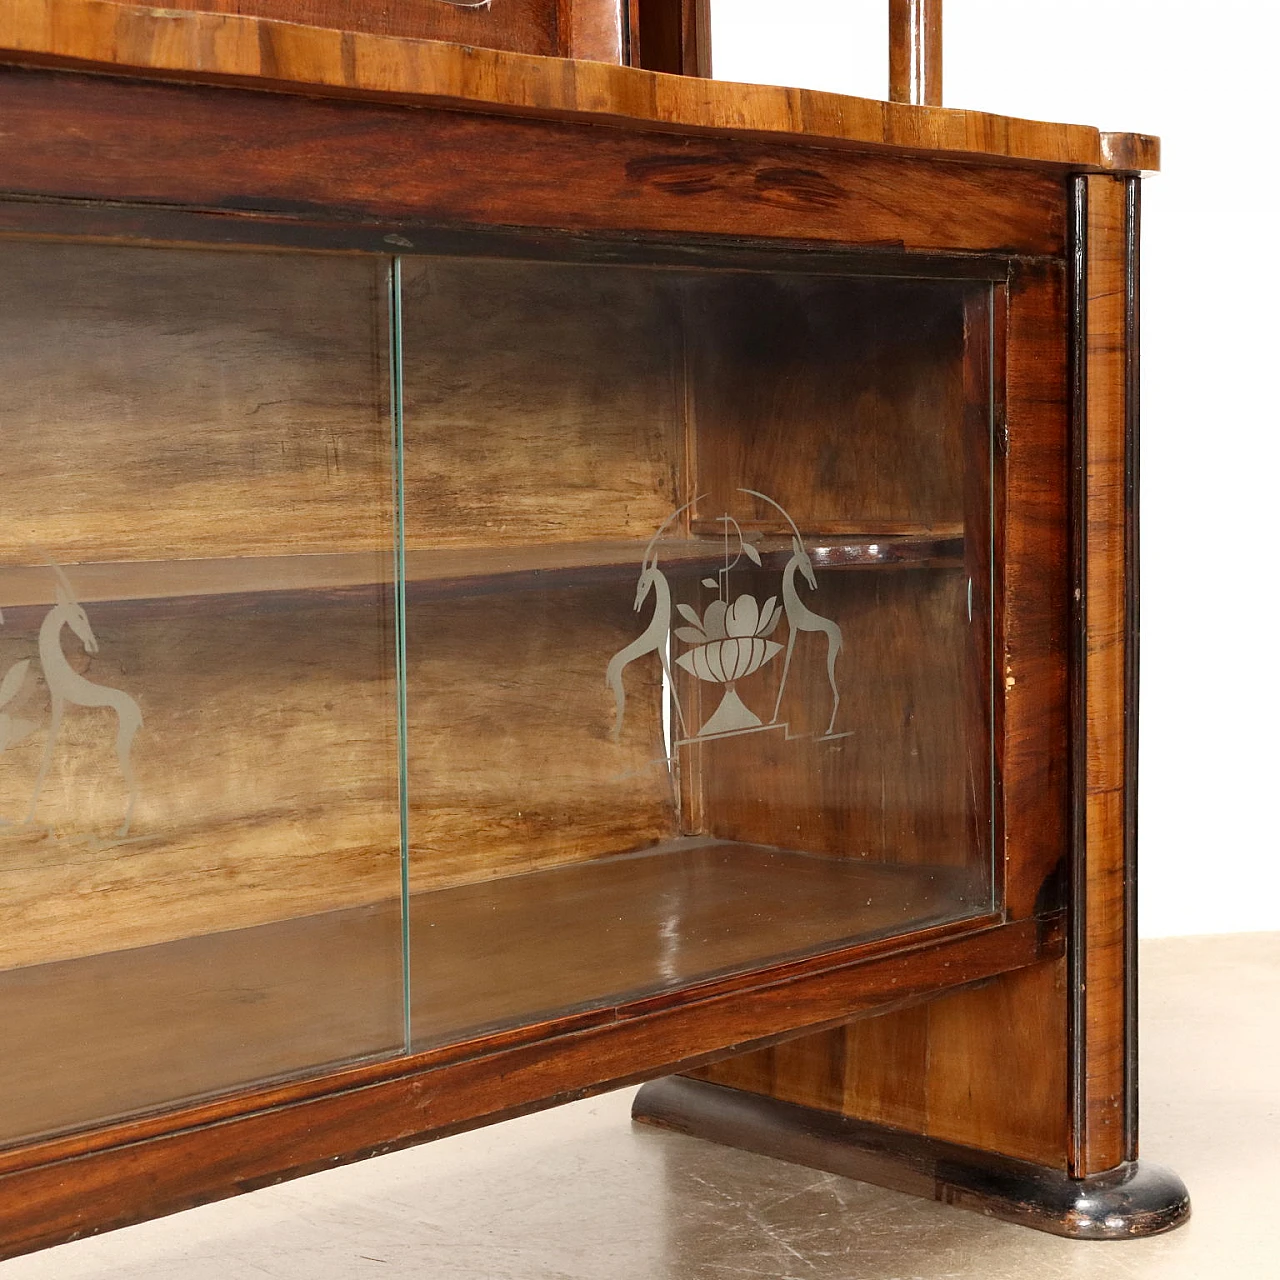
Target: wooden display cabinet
526, 576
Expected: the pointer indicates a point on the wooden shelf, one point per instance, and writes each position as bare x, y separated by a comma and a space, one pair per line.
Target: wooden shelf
114, 1034
490, 955
454, 570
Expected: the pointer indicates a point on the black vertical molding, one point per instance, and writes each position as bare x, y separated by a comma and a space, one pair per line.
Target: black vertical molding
1077, 951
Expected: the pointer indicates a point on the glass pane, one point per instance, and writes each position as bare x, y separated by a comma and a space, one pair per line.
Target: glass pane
698, 661
200, 845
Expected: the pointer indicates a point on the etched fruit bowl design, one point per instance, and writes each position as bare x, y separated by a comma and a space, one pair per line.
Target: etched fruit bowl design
730, 643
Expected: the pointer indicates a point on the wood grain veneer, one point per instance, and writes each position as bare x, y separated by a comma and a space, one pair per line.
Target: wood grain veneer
218, 47
266, 769
915, 52
108, 1177
900, 786
941, 1069
166, 1023
95, 137
373, 143
944, 1069
1103, 1125
164, 405
841, 398
542, 402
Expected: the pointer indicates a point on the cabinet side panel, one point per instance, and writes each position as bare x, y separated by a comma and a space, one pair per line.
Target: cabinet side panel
975, 1067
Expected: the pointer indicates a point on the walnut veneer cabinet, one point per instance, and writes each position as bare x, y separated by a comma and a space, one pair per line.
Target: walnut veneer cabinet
522, 575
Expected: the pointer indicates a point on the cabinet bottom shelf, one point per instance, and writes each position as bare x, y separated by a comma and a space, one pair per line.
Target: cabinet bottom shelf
115, 1034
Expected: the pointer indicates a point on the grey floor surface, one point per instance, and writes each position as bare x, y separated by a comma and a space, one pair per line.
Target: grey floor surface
578, 1194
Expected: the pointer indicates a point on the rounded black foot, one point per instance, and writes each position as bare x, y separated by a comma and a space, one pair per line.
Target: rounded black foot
1137, 1199
1133, 1200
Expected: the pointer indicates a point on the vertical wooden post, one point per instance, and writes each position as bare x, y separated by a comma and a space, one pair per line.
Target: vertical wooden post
673, 36
915, 52
1103, 985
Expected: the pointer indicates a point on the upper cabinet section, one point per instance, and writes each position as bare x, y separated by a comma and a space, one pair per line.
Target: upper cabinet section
360, 55
591, 29
660, 35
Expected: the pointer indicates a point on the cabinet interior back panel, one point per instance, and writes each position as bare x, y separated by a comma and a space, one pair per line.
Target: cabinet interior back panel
162, 404
543, 402
843, 398
176, 763
265, 768
511, 764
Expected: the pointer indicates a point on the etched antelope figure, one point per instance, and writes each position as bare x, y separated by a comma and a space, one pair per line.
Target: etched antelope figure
13, 729
66, 685
654, 638
800, 617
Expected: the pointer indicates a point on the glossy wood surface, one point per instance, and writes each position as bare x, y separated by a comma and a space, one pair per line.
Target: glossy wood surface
594, 30
1035, 538
531, 26
943, 1069
109, 1177
1101, 1137
172, 1022
590, 29
99, 138
915, 52
217, 47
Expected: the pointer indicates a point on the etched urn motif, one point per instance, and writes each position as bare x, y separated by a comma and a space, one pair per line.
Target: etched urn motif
730, 643
730, 640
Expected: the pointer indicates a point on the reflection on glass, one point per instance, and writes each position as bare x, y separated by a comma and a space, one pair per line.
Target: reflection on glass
199, 839
698, 612
695, 614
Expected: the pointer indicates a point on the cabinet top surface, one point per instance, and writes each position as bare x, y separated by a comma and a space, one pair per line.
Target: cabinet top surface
99, 35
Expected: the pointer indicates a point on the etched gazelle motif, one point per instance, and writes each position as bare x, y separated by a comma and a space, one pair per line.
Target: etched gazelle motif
729, 641
654, 638
66, 685
800, 617
12, 728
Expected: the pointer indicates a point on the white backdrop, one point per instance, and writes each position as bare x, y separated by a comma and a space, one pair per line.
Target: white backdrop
1211, 289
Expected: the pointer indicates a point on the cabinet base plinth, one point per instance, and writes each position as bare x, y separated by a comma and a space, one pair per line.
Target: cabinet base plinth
1135, 1199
